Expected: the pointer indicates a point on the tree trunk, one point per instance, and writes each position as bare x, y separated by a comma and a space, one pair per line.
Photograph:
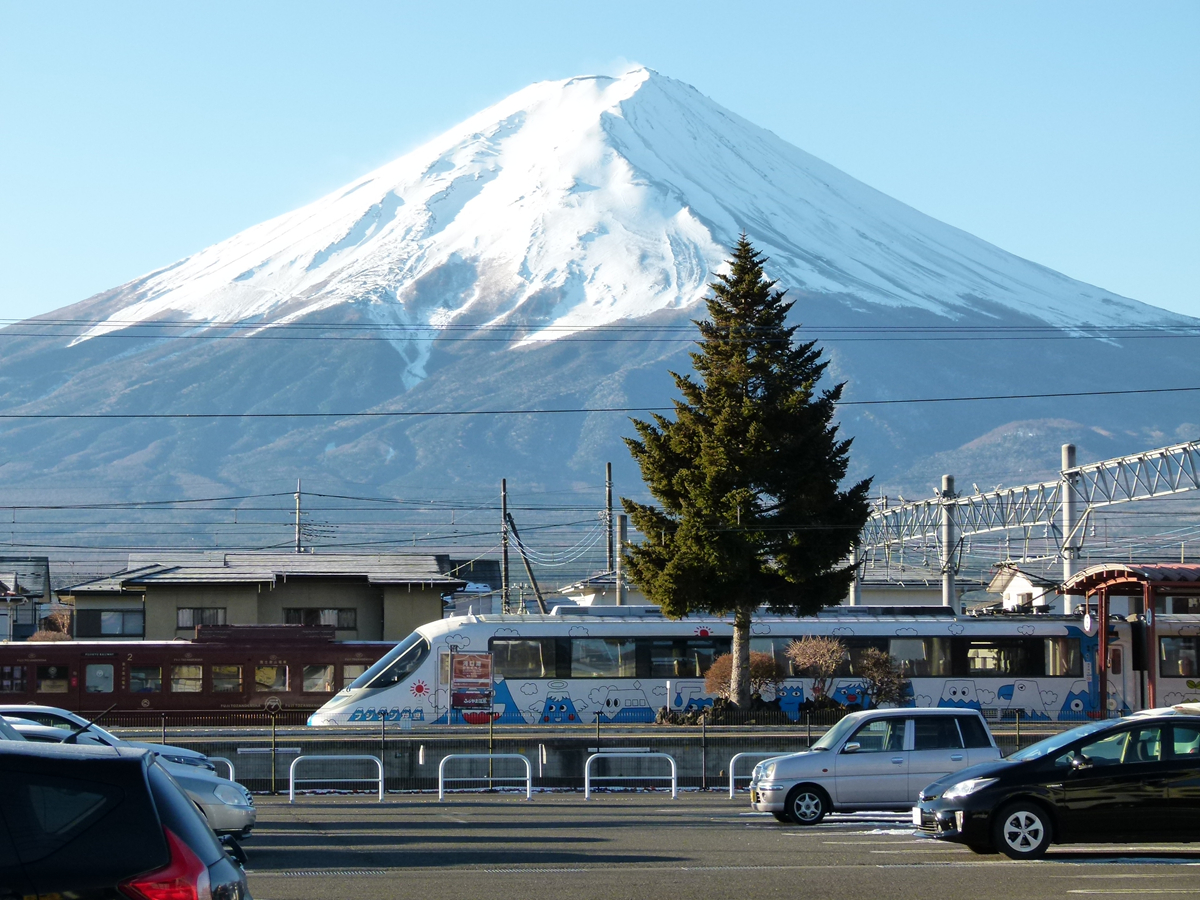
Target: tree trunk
739, 679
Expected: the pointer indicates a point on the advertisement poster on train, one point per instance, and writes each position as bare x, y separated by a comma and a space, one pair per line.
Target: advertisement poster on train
471, 681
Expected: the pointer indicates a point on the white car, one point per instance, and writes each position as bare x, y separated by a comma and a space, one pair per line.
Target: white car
54, 717
878, 759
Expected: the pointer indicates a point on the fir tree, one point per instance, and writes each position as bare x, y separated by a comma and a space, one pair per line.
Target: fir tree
748, 475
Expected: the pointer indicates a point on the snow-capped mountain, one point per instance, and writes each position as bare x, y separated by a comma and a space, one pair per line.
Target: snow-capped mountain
567, 206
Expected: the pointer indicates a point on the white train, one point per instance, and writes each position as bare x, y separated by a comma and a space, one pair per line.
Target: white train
624, 664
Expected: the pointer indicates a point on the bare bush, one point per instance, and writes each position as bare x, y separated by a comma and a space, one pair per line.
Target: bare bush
883, 679
817, 658
44, 635
765, 671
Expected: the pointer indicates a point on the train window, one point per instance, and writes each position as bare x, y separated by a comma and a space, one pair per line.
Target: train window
603, 658
52, 679
191, 617
1063, 657
270, 678
226, 679
1178, 657
145, 679
921, 657
524, 659
12, 680
351, 671
400, 662
1000, 657
187, 679
98, 678
318, 679
686, 658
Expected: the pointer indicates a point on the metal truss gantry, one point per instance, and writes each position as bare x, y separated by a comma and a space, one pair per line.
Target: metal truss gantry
1064, 504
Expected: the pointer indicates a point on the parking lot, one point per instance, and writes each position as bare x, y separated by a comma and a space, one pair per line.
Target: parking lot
644, 844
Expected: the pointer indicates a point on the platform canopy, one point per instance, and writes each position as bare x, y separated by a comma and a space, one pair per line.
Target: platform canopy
1119, 579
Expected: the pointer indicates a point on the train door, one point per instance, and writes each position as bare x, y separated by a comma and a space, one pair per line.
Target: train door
99, 679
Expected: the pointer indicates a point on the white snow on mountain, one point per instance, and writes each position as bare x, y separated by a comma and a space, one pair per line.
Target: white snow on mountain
578, 203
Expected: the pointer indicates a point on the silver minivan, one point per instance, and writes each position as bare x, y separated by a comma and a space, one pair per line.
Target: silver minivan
877, 759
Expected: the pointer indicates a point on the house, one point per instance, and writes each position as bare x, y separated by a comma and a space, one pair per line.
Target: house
1023, 591
25, 596
365, 597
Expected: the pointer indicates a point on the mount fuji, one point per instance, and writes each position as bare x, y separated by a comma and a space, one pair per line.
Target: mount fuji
549, 253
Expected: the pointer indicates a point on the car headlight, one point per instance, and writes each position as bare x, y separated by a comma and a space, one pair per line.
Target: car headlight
229, 795
970, 786
767, 772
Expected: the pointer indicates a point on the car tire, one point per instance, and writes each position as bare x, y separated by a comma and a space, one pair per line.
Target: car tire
806, 804
1022, 831
782, 817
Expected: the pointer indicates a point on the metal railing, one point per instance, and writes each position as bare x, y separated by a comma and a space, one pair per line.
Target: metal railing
588, 778
528, 779
292, 779
733, 763
228, 762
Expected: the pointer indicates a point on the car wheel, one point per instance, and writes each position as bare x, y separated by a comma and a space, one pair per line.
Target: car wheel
782, 817
806, 804
1022, 831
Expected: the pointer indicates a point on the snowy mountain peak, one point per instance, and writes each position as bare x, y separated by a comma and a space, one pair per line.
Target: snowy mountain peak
577, 203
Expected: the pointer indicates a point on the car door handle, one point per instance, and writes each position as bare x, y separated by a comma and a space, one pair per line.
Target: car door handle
898, 760
956, 757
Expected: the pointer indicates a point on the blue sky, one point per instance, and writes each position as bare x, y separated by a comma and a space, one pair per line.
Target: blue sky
133, 134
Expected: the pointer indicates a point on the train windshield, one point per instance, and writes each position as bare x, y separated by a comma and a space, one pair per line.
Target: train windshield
400, 662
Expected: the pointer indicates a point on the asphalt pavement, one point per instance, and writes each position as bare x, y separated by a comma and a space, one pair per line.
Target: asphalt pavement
645, 845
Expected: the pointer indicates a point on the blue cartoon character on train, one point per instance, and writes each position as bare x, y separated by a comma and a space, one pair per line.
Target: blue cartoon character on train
1024, 697
689, 695
621, 704
559, 711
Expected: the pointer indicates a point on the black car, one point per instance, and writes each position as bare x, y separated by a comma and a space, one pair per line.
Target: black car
102, 823
1134, 779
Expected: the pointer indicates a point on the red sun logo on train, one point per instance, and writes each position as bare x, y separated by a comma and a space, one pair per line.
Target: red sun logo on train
420, 689
701, 631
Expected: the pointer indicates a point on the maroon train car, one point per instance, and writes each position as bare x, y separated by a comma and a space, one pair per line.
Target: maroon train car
226, 668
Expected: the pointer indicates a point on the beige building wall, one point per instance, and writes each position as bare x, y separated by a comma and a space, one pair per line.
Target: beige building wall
405, 608
163, 601
323, 593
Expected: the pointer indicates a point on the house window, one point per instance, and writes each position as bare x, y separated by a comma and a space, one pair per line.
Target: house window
187, 617
90, 623
187, 679
145, 679
342, 619
227, 679
12, 680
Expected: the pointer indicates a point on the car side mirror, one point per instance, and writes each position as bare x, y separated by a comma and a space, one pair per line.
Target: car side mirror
852, 747
1080, 763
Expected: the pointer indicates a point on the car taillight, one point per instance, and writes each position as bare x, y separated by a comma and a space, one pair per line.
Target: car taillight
185, 877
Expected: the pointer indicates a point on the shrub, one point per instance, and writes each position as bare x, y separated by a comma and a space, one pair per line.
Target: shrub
765, 671
883, 679
817, 658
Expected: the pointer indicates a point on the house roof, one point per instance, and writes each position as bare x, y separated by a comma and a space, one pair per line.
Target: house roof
268, 568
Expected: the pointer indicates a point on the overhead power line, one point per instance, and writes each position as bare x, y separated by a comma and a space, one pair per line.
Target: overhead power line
402, 414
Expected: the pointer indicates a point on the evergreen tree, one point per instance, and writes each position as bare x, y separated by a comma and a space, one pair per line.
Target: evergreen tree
748, 474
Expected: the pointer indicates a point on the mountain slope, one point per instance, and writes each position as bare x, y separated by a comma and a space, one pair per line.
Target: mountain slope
505, 265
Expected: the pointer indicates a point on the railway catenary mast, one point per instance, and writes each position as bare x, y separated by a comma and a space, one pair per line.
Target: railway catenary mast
1063, 505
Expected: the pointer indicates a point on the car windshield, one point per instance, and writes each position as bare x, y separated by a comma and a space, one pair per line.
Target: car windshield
834, 735
1056, 742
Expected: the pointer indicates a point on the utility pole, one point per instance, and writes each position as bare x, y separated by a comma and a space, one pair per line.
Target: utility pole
608, 512
298, 549
948, 540
1070, 518
620, 576
504, 545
